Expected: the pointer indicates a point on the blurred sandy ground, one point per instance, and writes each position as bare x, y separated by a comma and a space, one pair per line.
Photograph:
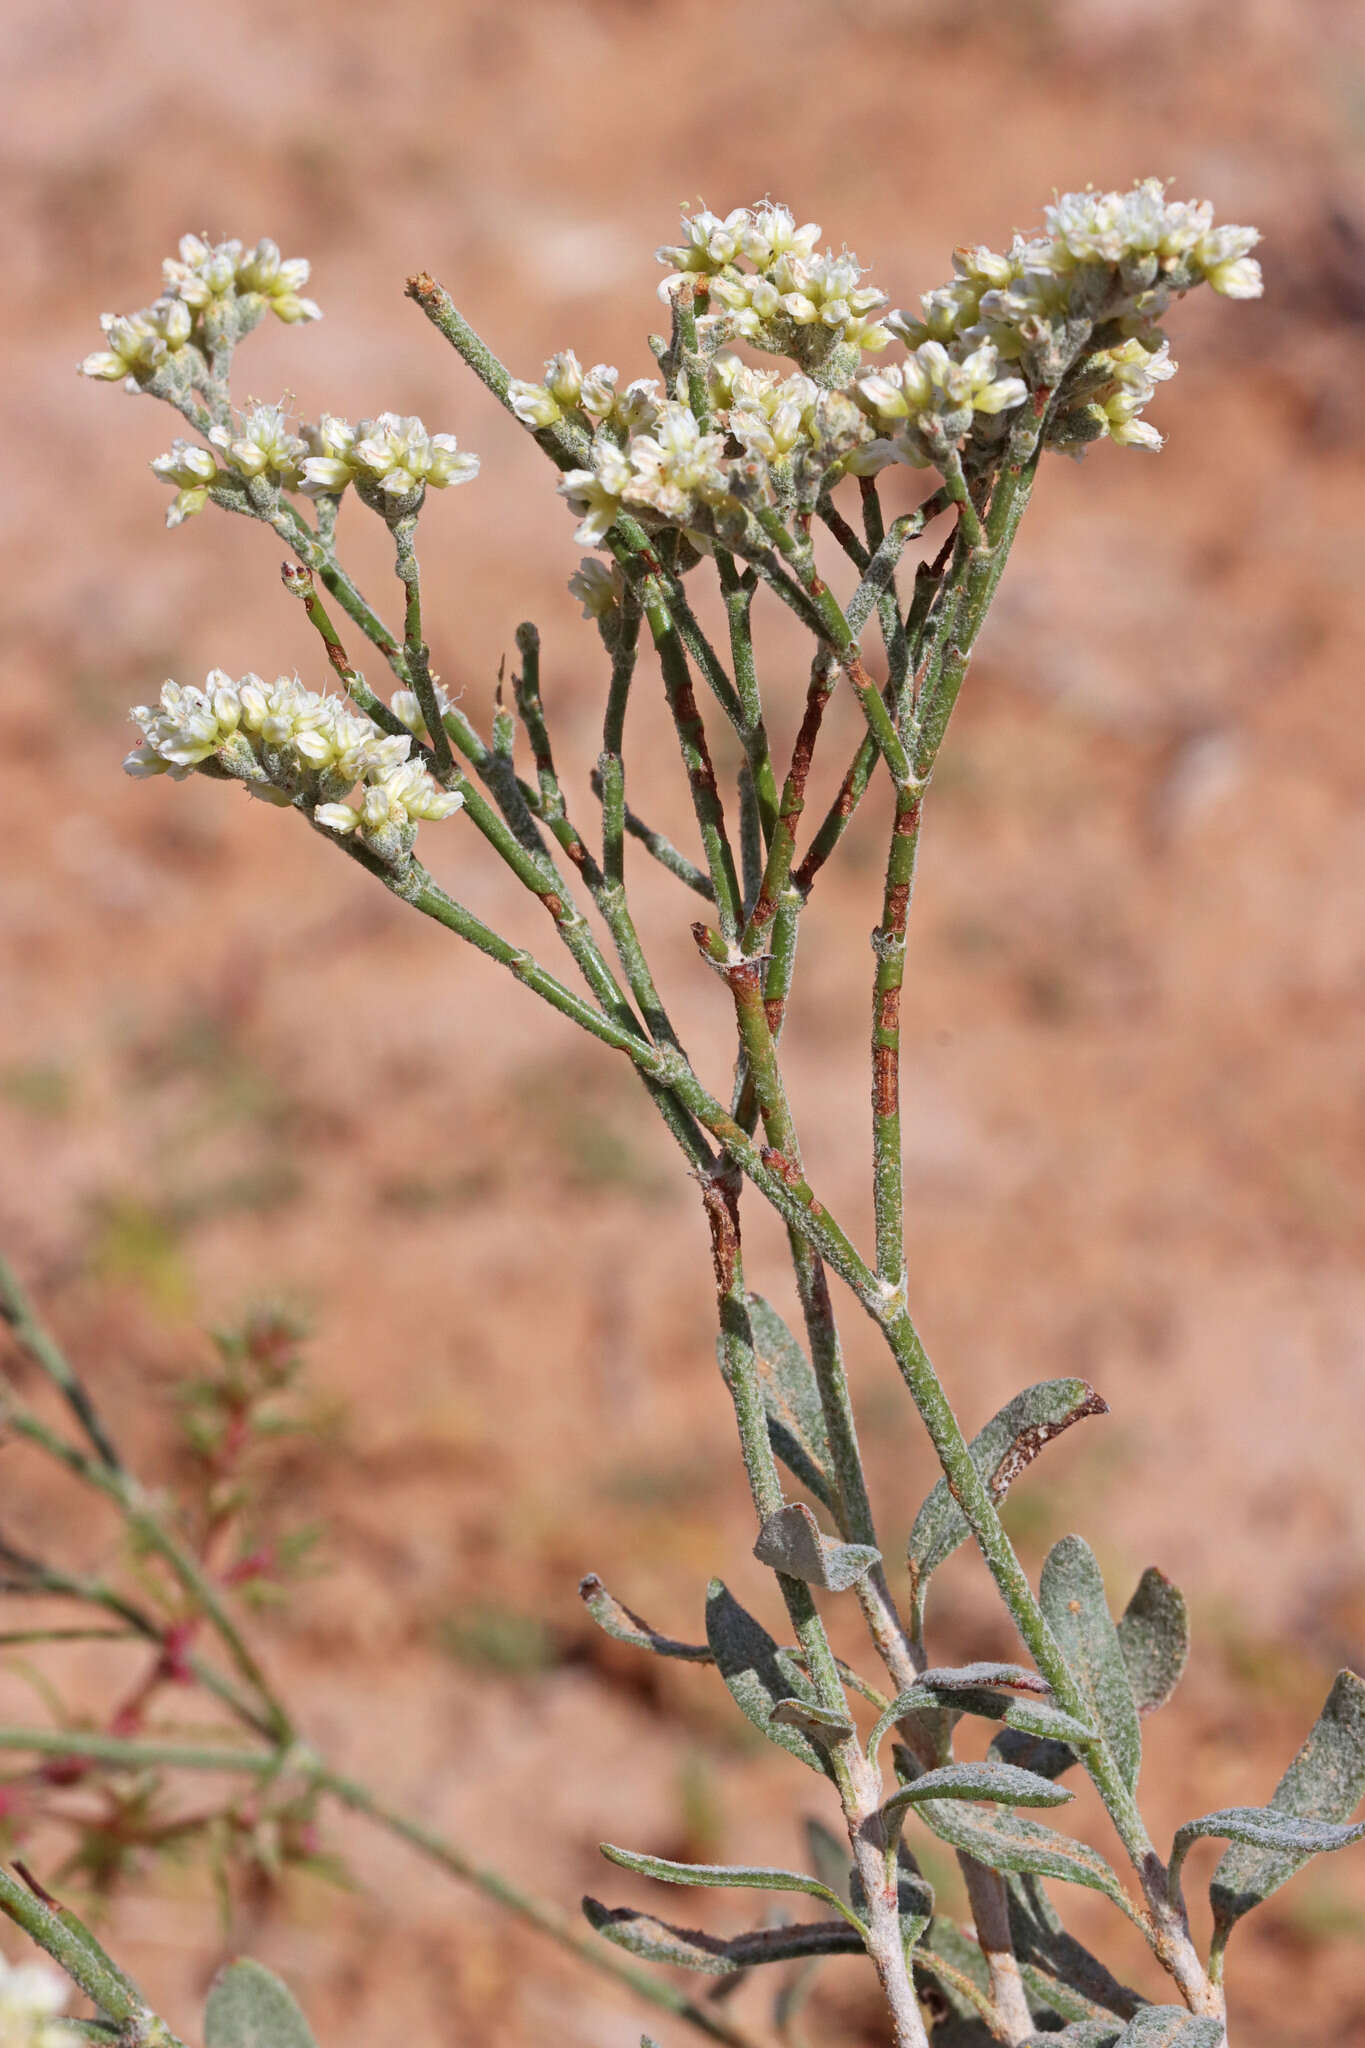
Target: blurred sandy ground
1134, 1010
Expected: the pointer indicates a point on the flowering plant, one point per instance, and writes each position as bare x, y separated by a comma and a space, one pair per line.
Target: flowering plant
764, 430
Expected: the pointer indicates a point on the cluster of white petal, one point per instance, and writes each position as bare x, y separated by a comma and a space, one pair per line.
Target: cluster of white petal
263, 446
192, 470
930, 402
392, 458
792, 300
672, 475
589, 397
137, 344
1110, 260
214, 293
285, 741
390, 810
205, 271
31, 2001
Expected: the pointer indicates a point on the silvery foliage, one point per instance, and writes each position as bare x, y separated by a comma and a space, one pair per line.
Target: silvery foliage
783, 392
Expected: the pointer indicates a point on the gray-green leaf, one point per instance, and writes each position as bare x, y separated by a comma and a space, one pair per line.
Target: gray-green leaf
791, 1400
822, 1724
1325, 1782
997, 1782
248, 2007
1170, 2026
1005, 1840
1037, 1720
746, 1877
1071, 1595
1264, 1827
659, 1942
746, 1657
1010, 1441
792, 1541
1154, 1636
627, 1627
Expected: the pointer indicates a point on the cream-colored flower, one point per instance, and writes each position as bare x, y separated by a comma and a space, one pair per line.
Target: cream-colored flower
278, 281
139, 343
327, 469
185, 727
264, 446
595, 494
676, 467
396, 454
191, 469
598, 588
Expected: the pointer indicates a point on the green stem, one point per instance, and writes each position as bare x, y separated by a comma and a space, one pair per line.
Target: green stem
706, 803
416, 654
41, 1350
888, 943
73, 1946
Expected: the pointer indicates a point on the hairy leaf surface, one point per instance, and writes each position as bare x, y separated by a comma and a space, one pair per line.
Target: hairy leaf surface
248, 2007
1326, 1782
1071, 1595
746, 1657
1010, 1441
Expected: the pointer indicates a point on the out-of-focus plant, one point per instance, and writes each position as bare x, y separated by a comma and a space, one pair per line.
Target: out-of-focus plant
765, 430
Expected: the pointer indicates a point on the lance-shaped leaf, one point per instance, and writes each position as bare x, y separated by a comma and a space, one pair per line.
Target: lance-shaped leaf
1038, 1720
1083, 2034
791, 1400
747, 1877
689, 1949
1003, 1677
1263, 1827
627, 1627
1170, 2026
822, 1724
1059, 1965
1005, 1840
1326, 1781
1010, 1441
746, 1657
1071, 1595
997, 1782
1154, 1636
248, 2007
792, 1541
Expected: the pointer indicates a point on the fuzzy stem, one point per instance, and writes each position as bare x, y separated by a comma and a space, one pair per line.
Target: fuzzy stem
416, 654
73, 1946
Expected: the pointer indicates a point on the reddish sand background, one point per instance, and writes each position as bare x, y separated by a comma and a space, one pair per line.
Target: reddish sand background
1133, 1023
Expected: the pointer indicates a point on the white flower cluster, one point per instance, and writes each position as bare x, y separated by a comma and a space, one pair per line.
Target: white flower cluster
792, 300
261, 445
673, 475
214, 293
205, 271
1108, 264
930, 403
392, 460
137, 344
589, 397
31, 2001
285, 741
